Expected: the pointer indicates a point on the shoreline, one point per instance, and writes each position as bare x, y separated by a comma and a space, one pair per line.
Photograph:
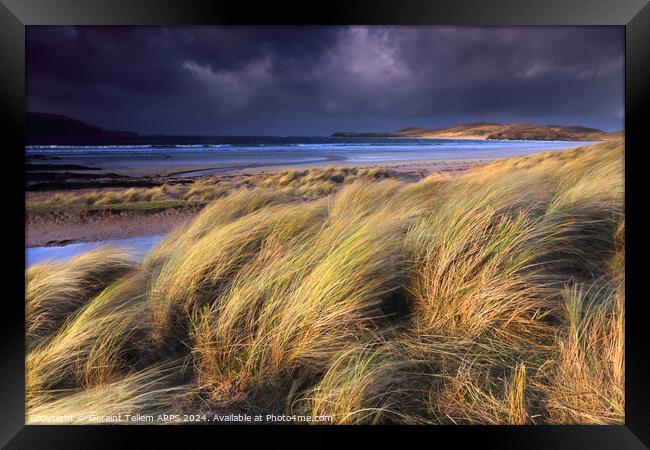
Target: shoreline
154, 166
325, 160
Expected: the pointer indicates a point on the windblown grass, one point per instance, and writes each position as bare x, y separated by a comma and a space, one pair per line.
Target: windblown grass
494, 297
306, 184
155, 390
294, 315
94, 346
589, 377
55, 291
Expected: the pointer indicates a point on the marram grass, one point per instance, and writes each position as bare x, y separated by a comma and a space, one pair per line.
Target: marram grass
493, 297
305, 184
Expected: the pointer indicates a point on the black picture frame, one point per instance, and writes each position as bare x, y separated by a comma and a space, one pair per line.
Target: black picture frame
634, 15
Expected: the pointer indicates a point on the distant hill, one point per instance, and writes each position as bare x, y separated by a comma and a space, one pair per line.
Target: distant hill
486, 130
43, 128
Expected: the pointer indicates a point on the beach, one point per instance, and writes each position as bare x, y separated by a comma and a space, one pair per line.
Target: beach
210, 156
73, 171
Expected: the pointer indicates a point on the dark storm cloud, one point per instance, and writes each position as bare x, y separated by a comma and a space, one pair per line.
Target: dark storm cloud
293, 80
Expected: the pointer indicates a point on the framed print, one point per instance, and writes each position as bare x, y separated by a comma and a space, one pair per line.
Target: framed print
329, 218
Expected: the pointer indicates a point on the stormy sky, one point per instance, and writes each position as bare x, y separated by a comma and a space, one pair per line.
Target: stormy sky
317, 80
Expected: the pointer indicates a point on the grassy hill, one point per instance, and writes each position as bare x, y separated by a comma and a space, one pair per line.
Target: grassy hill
485, 130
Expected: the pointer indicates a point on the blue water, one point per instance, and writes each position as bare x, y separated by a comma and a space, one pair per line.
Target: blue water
138, 247
221, 154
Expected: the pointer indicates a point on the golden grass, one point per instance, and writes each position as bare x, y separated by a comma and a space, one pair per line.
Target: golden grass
153, 391
57, 290
305, 184
494, 297
95, 346
589, 377
296, 314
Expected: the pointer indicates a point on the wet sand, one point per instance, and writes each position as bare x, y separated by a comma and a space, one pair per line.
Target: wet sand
452, 166
66, 229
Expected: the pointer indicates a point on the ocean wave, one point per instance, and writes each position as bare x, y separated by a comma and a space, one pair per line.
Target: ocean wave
306, 145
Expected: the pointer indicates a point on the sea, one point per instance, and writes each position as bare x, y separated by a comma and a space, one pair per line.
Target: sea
224, 153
